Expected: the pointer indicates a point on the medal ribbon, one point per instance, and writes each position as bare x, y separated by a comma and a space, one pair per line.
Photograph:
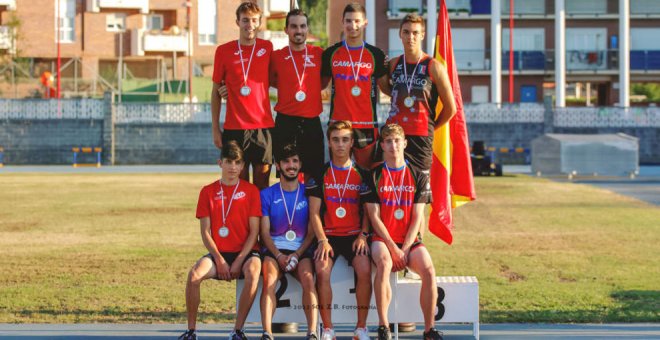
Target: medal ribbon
355, 74
334, 179
286, 209
240, 52
412, 76
403, 176
293, 60
222, 193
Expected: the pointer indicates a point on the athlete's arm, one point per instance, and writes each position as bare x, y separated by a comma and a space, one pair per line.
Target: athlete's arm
216, 105
267, 241
413, 229
384, 85
360, 245
324, 249
442, 84
253, 224
373, 210
222, 269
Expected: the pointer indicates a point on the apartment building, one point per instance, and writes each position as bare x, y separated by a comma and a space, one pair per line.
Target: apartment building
594, 63
153, 38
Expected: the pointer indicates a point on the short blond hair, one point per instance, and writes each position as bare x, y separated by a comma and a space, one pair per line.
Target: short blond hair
391, 130
339, 125
248, 8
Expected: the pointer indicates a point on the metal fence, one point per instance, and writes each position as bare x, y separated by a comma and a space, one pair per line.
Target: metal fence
178, 113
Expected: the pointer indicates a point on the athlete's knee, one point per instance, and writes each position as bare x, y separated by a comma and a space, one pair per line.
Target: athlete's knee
307, 281
195, 277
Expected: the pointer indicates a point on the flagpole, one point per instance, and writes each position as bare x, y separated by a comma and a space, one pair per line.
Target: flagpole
511, 52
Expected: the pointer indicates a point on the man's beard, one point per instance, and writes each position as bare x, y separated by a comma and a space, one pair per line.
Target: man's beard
288, 178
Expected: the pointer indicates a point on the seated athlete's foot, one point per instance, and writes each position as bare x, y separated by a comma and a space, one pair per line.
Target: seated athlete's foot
433, 334
328, 334
361, 333
190, 334
384, 333
266, 336
311, 336
238, 334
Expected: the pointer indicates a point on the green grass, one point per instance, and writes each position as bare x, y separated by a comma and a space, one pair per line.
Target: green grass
117, 248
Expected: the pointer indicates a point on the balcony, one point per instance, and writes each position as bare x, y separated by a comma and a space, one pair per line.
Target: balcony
472, 60
529, 60
397, 9
645, 60
11, 4
157, 41
592, 60
460, 8
6, 37
96, 5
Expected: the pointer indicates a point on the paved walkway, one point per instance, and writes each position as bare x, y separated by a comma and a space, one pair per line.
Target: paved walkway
452, 332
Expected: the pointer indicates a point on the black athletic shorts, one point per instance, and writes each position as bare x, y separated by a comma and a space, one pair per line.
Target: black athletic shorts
343, 245
419, 153
306, 134
231, 257
364, 137
307, 254
257, 144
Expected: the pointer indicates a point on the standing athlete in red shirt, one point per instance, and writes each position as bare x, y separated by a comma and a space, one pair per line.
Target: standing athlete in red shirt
336, 214
242, 65
229, 211
295, 71
357, 70
396, 210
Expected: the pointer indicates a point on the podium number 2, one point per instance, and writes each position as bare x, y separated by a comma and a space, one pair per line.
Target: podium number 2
284, 283
440, 312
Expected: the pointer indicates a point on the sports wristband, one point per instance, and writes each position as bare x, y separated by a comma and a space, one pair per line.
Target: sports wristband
322, 240
278, 256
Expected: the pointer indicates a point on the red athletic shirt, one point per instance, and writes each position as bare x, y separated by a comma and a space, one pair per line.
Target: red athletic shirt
329, 188
360, 110
415, 189
246, 204
251, 111
284, 76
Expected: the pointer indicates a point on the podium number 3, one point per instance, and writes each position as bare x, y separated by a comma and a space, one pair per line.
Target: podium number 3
440, 308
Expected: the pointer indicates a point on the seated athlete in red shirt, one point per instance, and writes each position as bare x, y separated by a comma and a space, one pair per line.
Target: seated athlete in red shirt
229, 211
336, 214
395, 207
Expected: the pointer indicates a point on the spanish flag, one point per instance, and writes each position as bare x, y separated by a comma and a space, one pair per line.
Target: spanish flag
451, 172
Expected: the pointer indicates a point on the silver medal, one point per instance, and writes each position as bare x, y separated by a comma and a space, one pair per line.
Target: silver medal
409, 102
223, 231
340, 212
398, 214
245, 91
356, 90
300, 95
290, 235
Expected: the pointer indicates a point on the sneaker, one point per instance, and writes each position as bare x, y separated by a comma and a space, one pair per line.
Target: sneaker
384, 333
266, 336
189, 335
361, 334
237, 334
311, 336
328, 334
433, 334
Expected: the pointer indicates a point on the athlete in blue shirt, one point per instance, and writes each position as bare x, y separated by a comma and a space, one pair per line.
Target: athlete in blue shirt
286, 240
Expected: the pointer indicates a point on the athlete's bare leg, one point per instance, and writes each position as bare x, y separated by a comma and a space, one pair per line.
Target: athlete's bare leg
305, 275
362, 267
271, 273
324, 290
382, 290
260, 175
202, 270
419, 261
251, 270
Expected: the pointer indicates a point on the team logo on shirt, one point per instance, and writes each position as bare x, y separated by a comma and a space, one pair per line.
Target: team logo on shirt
403, 188
239, 195
261, 52
345, 63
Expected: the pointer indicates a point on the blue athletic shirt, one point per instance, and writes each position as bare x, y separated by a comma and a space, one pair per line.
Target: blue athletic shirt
272, 206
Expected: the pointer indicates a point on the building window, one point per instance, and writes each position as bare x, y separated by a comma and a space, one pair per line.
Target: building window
479, 94
525, 7
399, 8
459, 6
394, 43
469, 48
586, 48
115, 22
207, 19
66, 21
644, 7
586, 7
155, 22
